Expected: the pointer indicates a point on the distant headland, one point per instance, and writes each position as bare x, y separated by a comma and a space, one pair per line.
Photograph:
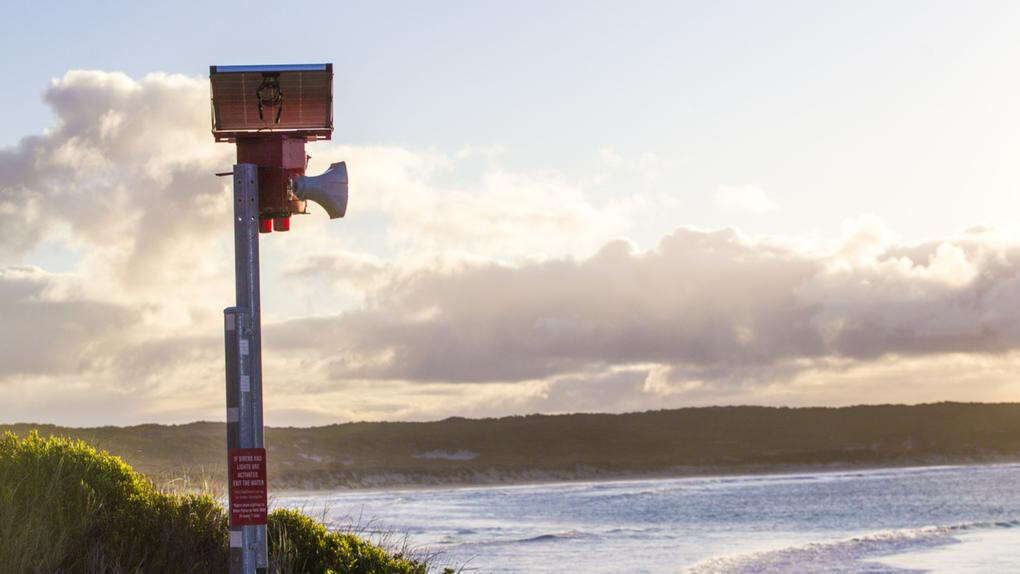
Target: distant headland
537, 448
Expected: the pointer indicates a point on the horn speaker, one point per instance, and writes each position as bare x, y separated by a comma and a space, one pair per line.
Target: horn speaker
328, 190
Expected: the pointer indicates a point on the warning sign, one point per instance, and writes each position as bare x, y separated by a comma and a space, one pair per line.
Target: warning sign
248, 490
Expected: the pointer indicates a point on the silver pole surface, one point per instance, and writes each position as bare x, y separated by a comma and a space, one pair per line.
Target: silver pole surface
243, 336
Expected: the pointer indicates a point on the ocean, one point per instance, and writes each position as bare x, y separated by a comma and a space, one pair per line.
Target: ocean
925, 519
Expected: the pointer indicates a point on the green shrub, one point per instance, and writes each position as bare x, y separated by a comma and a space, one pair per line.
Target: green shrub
64, 506
304, 545
67, 507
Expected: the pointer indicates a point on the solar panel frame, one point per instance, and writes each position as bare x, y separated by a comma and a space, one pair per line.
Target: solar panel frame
306, 109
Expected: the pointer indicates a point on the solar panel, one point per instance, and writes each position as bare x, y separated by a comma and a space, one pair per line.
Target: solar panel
295, 100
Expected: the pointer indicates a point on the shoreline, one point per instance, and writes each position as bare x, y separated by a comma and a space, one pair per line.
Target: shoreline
706, 472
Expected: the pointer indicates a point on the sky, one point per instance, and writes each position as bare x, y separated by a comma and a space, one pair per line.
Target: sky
554, 207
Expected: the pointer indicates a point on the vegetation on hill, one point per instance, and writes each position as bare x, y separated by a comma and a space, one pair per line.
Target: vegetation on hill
67, 507
579, 446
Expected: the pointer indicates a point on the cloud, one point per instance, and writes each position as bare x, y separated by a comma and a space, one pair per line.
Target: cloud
49, 328
124, 175
122, 186
744, 198
707, 309
434, 203
455, 286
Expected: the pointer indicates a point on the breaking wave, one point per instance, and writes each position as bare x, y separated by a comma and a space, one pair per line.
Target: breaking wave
847, 555
556, 536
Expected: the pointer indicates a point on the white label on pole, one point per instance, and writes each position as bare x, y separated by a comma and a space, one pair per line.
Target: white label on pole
235, 539
232, 415
244, 346
230, 323
245, 383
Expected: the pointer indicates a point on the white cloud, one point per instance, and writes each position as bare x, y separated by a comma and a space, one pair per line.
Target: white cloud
744, 198
431, 208
123, 182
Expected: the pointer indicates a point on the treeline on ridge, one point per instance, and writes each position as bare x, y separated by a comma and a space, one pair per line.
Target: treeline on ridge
579, 446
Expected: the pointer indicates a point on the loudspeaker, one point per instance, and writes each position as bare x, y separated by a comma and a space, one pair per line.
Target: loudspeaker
328, 190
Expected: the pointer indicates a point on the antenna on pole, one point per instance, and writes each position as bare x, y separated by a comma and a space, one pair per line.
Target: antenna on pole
270, 112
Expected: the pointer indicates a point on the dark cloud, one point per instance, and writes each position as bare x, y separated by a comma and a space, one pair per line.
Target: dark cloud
155, 357
712, 305
48, 332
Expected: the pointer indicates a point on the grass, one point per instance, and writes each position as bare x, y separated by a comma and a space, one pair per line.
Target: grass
68, 507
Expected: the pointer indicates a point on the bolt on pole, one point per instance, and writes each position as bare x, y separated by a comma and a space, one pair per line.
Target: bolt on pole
246, 462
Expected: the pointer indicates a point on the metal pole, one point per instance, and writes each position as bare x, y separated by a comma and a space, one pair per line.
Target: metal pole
243, 336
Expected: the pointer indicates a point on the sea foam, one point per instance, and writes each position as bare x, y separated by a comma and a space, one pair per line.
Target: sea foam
845, 555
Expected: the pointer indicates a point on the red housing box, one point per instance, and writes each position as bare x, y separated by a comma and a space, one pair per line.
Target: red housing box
249, 500
280, 159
